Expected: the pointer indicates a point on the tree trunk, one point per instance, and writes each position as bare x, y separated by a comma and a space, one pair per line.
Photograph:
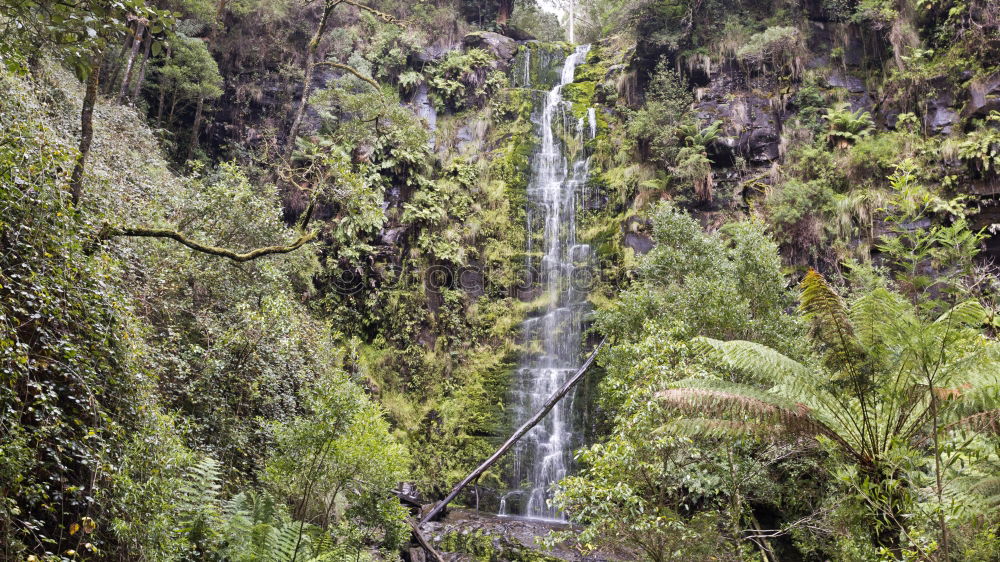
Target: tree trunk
173, 106
113, 68
572, 21
163, 93
220, 7
86, 131
293, 131
512, 440
136, 41
193, 145
505, 9
142, 68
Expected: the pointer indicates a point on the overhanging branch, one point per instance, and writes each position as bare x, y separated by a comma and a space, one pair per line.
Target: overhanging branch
143, 232
381, 15
350, 69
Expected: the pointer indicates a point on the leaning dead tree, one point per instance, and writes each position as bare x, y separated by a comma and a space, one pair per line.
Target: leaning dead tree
532, 422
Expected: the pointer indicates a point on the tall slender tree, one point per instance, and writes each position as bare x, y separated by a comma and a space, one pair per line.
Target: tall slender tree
310, 62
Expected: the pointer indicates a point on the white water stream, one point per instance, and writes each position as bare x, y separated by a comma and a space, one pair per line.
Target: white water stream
544, 455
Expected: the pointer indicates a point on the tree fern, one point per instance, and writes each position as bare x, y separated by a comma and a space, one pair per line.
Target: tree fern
888, 381
830, 319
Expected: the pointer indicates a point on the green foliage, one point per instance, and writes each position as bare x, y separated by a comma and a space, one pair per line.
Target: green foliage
190, 72
540, 24
981, 148
726, 283
64, 358
78, 33
625, 497
101, 338
323, 466
656, 126
799, 213
460, 78
928, 262
781, 47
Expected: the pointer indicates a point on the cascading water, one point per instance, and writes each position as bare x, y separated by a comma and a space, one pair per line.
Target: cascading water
558, 174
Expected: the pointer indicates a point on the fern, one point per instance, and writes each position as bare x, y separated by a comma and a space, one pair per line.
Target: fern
285, 544
200, 504
846, 126
259, 529
882, 367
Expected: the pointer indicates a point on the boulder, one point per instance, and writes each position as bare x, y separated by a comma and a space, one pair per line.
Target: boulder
852, 84
500, 46
763, 144
940, 118
635, 237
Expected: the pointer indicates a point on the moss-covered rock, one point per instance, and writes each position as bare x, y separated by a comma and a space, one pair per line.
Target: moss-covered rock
488, 547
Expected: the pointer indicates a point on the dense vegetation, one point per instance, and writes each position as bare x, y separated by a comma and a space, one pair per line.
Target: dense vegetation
261, 261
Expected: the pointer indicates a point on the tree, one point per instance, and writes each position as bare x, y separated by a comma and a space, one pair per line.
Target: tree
310, 64
80, 32
335, 444
189, 74
505, 9
885, 381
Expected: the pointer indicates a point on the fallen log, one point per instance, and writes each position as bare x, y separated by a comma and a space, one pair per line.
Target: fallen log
424, 543
532, 422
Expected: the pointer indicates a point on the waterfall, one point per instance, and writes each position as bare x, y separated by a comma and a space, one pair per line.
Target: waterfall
552, 338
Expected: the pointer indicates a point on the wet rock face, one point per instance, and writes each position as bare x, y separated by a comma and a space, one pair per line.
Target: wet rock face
984, 96
751, 125
940, 116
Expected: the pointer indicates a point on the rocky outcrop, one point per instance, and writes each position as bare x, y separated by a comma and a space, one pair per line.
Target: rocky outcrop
500, 46
984, 96
635, 238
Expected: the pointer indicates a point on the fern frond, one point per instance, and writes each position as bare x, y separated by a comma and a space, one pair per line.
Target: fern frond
202, 486
284, 540
760, 408
988, 421
759, 361
723, 428
824, 307
969, 314
881, 319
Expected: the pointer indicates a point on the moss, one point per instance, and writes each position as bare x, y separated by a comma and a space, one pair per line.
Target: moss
581, 97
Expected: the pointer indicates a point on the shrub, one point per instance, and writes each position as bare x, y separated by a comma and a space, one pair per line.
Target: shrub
780, 47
